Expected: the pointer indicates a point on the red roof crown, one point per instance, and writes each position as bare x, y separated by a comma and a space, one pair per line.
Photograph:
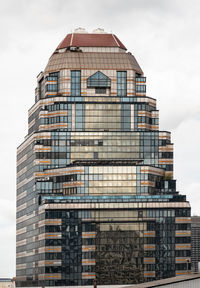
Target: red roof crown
91, 40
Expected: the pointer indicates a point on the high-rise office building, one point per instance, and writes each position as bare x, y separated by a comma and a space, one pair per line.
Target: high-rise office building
96, 198
195, 239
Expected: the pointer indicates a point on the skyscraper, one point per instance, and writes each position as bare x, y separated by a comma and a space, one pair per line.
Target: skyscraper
96, 198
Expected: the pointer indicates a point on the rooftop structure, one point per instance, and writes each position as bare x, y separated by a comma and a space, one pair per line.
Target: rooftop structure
96, 197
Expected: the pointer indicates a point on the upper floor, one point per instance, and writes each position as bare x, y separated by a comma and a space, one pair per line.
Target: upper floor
91, 64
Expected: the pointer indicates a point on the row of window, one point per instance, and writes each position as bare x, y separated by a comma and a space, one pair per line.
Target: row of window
69, 240
171, 254
97, 80
68, 270
67, 106
145, 135
51, 88
54, 87
91, 255
140, 79
96, 142
53, 120
151, 213
92, 155
165, 267
141, 88
64, 282
147, 120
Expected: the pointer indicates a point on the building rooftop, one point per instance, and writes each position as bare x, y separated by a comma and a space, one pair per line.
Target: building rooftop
93, 60
195, 219
97, 50
158, 283
91, 40
6, 279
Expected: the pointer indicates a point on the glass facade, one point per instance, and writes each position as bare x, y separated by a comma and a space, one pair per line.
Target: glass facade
96, 197
76, 83
121, 83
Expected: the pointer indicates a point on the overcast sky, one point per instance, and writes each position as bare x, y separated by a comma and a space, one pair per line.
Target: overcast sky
165, 39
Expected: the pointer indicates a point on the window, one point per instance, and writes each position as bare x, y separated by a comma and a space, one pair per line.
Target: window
51, 87
100, 90
141, 79
51, 77
52, 120
140, 88
121, 83
75, 83
140, 214
97, 80
96, 155
100, 142
54, 78
41, 88
126, 117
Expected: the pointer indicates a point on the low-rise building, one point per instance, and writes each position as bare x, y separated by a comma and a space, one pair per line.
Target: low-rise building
7, 283
195, 241
183, 281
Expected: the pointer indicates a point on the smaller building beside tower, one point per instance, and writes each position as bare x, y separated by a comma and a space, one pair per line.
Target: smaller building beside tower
182, 281
195, 230
7, 282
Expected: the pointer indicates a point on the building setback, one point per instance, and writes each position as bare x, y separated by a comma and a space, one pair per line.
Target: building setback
96, 198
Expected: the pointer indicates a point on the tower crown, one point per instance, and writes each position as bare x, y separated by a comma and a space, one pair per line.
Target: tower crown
97, 39
97, 50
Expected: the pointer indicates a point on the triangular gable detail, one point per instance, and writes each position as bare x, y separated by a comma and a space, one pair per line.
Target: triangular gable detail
98, 79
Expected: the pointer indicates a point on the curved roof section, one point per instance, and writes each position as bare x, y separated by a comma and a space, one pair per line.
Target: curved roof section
90, 40
92, 60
